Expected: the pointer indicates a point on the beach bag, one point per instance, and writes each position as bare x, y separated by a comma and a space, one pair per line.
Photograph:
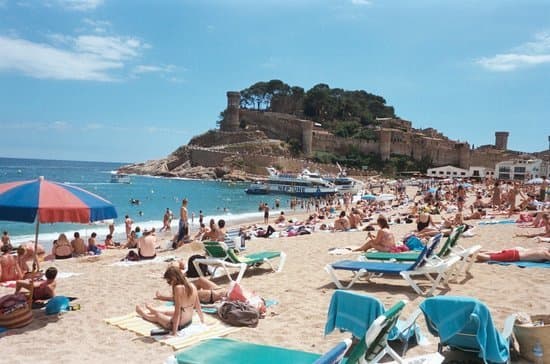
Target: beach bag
237, 313
57, 304
238, 293
414, 243
192, 271
15, 311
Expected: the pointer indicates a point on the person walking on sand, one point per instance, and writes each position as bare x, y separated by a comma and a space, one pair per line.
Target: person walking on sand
128, 225
184, 221
167, 220
266, 214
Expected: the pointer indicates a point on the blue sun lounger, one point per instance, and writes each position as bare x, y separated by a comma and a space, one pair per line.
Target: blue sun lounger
425, 265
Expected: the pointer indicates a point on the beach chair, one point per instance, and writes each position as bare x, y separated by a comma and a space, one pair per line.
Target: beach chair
465, 323
412, 256
218, 258
425, 265
229, 351
467, 257
222, 256
372, 346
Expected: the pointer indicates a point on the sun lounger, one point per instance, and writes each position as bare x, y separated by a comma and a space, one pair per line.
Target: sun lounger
372, 347
425, 265
464, 323
412, 256
220, 256
229, 351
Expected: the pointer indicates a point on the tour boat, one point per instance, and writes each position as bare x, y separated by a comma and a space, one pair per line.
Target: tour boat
120, 178
304, 184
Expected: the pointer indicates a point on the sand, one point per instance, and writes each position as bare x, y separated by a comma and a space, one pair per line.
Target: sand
303, 290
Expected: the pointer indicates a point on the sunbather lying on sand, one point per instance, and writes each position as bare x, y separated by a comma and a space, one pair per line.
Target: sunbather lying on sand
516, 254
545, 223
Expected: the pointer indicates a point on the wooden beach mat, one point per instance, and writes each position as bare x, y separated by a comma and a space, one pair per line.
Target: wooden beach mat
187, 337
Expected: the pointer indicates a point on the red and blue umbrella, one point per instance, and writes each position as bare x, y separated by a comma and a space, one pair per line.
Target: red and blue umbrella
44, 201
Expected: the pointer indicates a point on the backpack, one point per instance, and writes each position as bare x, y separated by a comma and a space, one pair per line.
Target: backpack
191, 271
237, 313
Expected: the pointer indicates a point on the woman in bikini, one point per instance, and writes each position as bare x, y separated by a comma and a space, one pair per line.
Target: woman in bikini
384, 240
186, 300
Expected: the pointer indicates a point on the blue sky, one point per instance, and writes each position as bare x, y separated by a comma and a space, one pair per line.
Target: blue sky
132, 80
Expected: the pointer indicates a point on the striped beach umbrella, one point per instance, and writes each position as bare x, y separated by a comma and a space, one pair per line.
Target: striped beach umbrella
42, 201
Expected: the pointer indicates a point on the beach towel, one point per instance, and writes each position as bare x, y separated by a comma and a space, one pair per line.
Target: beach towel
191, 335
342, 251
493, 222
523, 264
158, 259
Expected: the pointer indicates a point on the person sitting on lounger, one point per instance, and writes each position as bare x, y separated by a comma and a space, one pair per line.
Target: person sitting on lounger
425, 227
186, 301
42, 290
384, 240
516, 254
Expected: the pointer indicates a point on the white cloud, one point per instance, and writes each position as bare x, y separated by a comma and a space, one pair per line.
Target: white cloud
361, 2
80, 5
47, 62
529, 54
108, 48
142, 68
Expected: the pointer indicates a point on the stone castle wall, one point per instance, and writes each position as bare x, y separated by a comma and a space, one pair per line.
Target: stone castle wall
395, 137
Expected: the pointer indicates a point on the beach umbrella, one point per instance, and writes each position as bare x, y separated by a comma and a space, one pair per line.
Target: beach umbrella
42, 201
534, 181
368, 197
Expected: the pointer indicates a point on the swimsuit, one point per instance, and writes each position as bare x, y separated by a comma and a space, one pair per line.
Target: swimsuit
142, 257
182, 326
510, 255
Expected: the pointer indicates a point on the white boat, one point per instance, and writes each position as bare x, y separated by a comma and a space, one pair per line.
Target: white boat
304, 184
120, 178
341, 181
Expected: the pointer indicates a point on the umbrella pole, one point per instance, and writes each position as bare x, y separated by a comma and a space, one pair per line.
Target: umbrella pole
35, 266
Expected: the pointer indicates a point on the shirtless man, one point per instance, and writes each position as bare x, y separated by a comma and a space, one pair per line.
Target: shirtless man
183, 229
79, 247
341, 223
6, 240
354, 219
516, 254
219, 233
384, 240
9, 269
42, 290
146, 245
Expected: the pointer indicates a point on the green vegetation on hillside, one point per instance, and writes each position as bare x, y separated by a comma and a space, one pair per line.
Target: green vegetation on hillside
349, 114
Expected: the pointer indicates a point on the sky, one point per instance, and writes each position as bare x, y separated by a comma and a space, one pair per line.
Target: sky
129, 81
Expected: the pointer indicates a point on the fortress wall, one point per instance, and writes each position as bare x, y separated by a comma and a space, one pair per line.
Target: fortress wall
207, 158
330, 143
274, 125
210, 139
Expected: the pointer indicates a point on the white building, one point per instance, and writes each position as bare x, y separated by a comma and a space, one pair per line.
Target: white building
455, 172
521, 169
448, 172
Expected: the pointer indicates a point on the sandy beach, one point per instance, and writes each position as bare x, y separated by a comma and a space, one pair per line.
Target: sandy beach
303, 291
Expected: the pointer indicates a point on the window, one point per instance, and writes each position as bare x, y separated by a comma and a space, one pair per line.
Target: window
519, 169
464, 173
475, 174
504, 169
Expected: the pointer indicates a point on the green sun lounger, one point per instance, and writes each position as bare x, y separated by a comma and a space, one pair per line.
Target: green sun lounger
229, 351
412, 256
220, 256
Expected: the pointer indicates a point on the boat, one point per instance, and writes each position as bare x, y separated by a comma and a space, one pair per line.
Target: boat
304, 184
120, 178
341, 181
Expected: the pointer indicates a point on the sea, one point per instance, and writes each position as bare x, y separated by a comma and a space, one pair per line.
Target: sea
216, 199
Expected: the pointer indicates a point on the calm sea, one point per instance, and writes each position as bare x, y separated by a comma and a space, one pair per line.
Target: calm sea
215, 199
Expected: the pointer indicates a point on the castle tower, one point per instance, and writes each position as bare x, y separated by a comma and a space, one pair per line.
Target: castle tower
385, 144
307, 137
501, 140
231, 119
464, 155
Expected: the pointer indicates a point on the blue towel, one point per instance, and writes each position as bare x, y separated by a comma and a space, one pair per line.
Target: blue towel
449, 317
523, 264
493, 222
352, 312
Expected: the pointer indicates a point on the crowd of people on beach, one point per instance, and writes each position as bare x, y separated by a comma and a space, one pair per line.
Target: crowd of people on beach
437, 208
